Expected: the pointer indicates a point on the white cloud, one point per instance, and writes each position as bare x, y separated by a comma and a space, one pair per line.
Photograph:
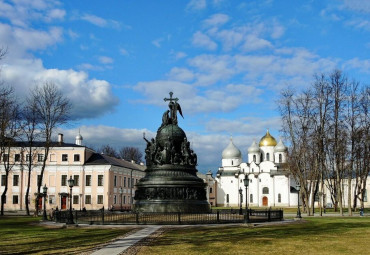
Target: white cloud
181, 74
357, 5
196, 5
123, 52
98, 21
21, 40
101, 22
356, 63
157, 42
20, 13
216, 20
253, 43
203, 41
105, 60
89, 97
220, 99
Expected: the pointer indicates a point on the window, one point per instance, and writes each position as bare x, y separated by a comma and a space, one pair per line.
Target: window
64, 157
17, 157
365, 195
88, 180
51, 199
88, 199
76, 179
64, 180
232, 162
124, 199
40, 157
39, 180
5, 157
280, 158
15, 180
124, 182
15, 199
53, 158
114, 199
279, 198
100, 199
227, 198
210, 190
28, 157
115, 181
75, 199
317, 197
132, 182
100, 180
251, 198
267, 156
265, 190
76, 157
254, 158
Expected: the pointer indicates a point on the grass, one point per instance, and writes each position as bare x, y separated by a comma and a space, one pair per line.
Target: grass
21, 235
331, 235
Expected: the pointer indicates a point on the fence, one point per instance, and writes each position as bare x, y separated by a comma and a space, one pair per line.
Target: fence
215, 217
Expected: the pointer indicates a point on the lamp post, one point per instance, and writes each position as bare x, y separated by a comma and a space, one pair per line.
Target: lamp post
45, 191
71, 183
246, 183
298, 187
120, 192
241, 201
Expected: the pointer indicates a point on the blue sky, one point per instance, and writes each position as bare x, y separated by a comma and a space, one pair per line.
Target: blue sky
225, 60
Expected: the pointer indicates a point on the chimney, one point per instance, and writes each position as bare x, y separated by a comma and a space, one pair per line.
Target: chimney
60, 138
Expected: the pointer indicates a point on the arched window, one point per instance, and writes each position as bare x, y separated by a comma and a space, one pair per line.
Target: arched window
280, 158
265, 190
261, 157
279, 198
251, 198
254, 158
232, 162
227, 198
267, 156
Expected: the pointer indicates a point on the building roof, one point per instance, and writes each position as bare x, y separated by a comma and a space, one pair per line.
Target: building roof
231, 151
101, 159
268, 140
42, 144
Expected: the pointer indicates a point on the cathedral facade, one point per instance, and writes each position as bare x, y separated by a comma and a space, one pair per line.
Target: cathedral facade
270, 184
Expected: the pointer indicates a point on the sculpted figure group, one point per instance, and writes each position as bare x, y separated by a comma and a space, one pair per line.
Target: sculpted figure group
155, 154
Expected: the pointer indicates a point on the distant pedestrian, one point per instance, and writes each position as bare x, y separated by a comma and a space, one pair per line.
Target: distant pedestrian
362, 211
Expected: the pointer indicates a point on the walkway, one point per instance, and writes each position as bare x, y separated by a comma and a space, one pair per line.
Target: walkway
124, 243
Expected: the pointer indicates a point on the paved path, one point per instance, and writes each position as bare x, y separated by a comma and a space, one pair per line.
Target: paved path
124, 243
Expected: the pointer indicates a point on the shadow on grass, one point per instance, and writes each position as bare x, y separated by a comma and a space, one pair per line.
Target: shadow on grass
22, 236
205, 238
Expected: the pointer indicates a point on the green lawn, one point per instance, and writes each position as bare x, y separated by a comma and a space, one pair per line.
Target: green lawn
313, 236
20, 235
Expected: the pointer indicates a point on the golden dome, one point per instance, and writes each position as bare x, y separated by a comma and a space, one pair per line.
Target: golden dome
268, 140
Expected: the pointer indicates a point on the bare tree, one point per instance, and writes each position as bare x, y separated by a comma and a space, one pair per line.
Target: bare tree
31, 134
131, 153
9, 131
52, 110
109, 151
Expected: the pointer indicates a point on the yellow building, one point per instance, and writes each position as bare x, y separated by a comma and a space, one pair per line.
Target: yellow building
99, 180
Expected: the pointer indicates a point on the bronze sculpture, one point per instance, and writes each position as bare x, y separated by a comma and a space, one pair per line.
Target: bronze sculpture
170, 183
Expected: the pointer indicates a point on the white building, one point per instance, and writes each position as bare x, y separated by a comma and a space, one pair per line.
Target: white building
269, 183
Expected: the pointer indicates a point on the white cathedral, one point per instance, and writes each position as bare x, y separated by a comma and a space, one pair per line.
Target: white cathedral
269, 183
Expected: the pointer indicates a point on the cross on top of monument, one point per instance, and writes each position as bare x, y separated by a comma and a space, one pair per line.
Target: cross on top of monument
171, 99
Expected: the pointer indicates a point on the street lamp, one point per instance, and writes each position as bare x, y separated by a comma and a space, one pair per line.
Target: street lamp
71, 183
45, 191
120, 192
246, 183
241, 201
298, 187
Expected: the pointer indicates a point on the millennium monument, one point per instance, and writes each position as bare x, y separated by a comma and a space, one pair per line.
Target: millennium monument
171, 183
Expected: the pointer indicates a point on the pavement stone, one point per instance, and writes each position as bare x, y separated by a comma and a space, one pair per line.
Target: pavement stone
124, 243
